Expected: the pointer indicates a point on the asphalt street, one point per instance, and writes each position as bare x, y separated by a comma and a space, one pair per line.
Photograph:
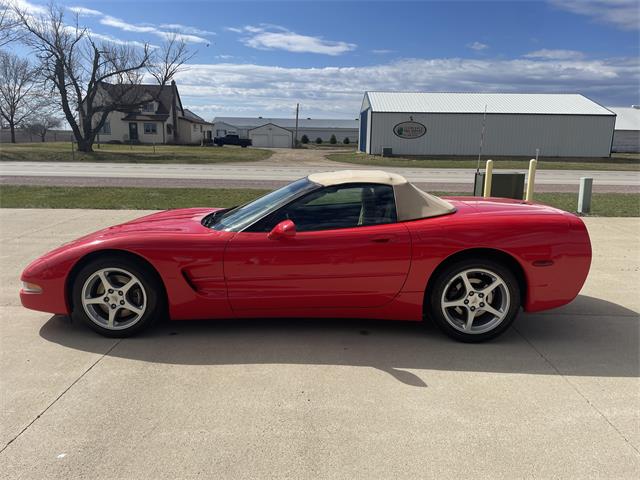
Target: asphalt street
556, 397
265, 171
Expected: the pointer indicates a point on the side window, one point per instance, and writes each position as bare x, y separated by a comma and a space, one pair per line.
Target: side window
342, 206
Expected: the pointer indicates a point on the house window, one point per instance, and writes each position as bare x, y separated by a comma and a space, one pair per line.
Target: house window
169, 129
106, 128
150, 128
148, 107
195, 127
201, 128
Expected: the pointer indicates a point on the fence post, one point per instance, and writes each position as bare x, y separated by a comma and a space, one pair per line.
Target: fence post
488, 174
584, 196
531, 178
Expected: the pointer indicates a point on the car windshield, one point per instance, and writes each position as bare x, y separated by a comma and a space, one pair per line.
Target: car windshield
238, 218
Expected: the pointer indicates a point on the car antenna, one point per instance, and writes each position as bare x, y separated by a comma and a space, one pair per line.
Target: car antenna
484, 123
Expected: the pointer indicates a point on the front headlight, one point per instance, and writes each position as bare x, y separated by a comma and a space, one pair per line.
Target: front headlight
29, 287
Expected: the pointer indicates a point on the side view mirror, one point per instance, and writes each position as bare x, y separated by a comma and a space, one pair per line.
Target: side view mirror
285, 229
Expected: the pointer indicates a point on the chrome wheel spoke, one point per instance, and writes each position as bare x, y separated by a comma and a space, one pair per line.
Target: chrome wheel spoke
470, 316
490, 288
112, 316
488, 308
132, 308
454, 303
94, 301
106, 283
127, 286
467, 283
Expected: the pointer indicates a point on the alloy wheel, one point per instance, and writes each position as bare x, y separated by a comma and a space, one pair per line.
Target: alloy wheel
475, 301
114, 298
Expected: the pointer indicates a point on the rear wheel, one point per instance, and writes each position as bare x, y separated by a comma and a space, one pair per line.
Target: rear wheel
116, 297
474, 300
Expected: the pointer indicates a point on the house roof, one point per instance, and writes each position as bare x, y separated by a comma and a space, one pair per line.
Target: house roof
145, 116
192, 117
273, 125
627, 118
288, 123
137, 93
508, 103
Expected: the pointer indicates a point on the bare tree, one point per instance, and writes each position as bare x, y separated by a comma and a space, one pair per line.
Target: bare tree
16, 84
45, 116
93, 78
8, 26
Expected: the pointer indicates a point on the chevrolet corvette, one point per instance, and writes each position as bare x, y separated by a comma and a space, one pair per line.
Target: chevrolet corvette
346, 244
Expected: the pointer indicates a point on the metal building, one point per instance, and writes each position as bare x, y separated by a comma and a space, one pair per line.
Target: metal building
626, 136
560, 125
245, 127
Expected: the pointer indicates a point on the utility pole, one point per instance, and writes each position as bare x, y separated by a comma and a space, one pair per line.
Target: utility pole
295, 140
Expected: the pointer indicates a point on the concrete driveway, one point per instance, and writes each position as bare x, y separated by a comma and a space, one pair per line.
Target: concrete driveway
556, 397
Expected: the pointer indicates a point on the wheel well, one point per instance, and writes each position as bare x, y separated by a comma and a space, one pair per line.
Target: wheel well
109, 253
485, 253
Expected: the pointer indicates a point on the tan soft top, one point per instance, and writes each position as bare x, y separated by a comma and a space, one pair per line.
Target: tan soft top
411, 202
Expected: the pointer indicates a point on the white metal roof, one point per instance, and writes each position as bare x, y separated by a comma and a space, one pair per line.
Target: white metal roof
510, 103
252, 122
627, 118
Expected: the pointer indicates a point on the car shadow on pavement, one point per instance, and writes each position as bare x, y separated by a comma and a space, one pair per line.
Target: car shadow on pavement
589, 337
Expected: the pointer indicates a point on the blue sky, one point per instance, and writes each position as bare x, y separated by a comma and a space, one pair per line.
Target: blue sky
260, 58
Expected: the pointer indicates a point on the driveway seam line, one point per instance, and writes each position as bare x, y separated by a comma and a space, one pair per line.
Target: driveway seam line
61, 395
577, 390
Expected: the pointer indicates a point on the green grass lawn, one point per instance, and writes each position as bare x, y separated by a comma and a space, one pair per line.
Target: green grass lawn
629, 162
61, 152
16, 196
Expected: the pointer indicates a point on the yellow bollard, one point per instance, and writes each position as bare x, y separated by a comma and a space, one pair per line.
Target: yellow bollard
487, 178
531, 179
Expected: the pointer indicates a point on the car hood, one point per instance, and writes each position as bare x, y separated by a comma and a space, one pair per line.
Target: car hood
183, 220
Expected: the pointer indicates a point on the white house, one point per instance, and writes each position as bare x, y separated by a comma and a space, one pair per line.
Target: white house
163, 119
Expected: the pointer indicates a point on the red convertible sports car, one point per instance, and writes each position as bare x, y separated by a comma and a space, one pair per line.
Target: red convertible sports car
351, 244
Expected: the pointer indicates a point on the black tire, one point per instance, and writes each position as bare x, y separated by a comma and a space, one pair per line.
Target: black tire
151, 286
434, 308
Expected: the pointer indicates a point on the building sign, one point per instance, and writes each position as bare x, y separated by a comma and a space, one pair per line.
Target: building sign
409, 130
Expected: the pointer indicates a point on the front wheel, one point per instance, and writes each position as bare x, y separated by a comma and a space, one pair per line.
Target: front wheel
474, 300
116, 297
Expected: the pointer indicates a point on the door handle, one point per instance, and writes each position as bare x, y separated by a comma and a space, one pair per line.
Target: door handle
386, 239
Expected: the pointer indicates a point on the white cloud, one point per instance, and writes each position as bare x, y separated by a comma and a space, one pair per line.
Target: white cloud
120, 24
478, 46
555, 54
382, 51
247, 89
624, 14
273, 37
85, 12
178, 27
24, 6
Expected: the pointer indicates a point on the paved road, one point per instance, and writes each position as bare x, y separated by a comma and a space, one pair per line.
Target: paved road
555, 398
283, 173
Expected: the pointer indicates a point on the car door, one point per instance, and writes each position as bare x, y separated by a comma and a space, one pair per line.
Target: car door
342, 256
